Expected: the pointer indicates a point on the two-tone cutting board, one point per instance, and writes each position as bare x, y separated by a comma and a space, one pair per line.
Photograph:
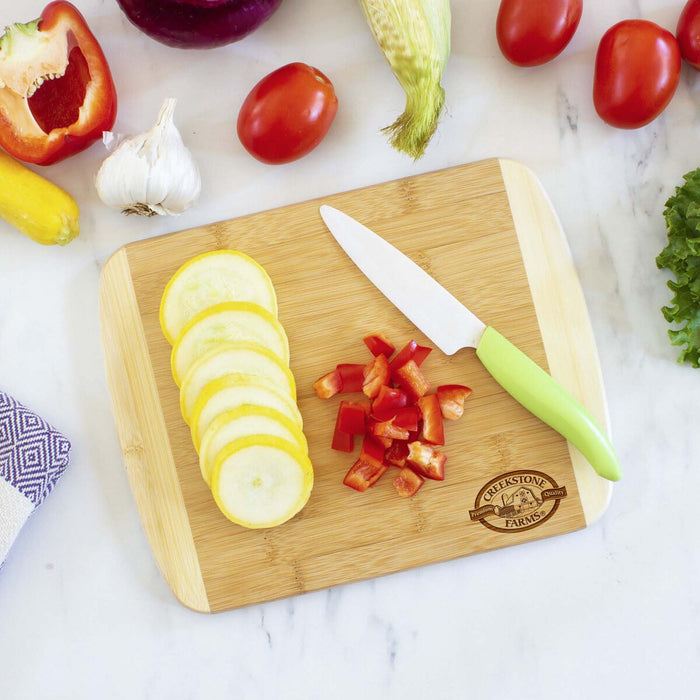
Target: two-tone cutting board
486, 232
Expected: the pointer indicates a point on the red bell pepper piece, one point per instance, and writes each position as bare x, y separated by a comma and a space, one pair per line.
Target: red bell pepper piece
372, 450
404, 355
379, 344
328, 385
353, 377
407, 418
387, 402
46, 119
363, 474
376, 376
396, 455
342, 441
412, 380
426, 460
410, 351
432, 429
420, 354
451, 398
387, 429
352, 417
408, 482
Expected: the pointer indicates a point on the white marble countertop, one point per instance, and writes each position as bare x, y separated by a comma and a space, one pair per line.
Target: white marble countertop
609, 611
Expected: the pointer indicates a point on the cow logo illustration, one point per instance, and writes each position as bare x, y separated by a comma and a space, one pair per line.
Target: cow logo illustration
517, 501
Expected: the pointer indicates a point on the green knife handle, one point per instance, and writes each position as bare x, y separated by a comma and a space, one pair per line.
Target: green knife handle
532, 387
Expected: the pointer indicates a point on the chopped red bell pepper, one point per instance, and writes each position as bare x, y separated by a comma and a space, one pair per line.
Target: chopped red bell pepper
451, 398
379, 344
363, 474
407, 418
410, 378
432, 429
57, 95
387, 429
387, 402
408, 482
376, 376
342, 441
404, 355
352, 417
396, 455
372, 449
353, 376
425, 459
420, 354
410, 351
328, 385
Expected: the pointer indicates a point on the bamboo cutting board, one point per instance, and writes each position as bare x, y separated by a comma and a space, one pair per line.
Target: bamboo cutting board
486, 232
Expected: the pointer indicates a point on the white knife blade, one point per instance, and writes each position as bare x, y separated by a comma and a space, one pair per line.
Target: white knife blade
428, 305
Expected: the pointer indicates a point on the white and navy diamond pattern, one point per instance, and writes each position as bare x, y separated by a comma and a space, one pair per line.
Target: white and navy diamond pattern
33, 455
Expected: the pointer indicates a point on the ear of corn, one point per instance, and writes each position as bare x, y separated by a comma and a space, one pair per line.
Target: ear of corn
414, 36
37, 207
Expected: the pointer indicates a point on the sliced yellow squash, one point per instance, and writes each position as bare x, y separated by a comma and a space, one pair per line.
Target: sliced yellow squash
234, 358
209, 279
231, 321
241, 422
232, 391
261, 481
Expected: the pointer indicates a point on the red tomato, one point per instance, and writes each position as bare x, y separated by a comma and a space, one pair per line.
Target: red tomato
287, 114
532, 32
688, 33
637, 69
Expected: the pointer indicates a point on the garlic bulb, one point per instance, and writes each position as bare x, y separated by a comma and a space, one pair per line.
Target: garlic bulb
152, 173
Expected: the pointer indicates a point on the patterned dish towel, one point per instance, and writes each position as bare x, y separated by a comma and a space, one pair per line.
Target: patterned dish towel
33, 456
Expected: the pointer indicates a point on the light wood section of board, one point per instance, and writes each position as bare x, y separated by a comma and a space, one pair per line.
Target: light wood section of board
143, 437
570, 346
457, 225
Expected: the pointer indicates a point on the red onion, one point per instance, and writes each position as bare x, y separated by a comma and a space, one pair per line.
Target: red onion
198, 24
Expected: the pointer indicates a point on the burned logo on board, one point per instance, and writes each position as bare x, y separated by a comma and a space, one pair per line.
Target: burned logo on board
517, 501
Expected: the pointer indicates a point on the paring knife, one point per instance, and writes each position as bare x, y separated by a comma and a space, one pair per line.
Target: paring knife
451, 326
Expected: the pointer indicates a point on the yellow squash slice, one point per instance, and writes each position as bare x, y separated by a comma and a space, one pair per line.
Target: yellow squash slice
209, 279
241, 422
239, 358
231, 321
261, 481
232, 391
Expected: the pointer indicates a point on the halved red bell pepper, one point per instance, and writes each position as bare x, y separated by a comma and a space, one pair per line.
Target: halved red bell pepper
379, 344
363, 474
451, 398
408, 482
57, 94
432, 429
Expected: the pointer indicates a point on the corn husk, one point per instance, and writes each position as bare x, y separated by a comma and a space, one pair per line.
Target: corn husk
414, 36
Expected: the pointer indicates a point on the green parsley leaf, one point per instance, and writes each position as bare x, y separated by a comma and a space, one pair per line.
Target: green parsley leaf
682, 257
